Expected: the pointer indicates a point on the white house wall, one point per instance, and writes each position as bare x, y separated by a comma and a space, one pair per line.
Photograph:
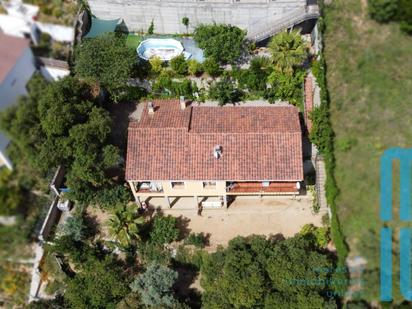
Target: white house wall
13, 86
167, 14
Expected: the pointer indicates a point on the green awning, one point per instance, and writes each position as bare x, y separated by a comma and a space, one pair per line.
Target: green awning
100, 26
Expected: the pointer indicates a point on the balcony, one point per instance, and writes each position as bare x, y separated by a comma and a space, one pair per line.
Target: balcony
148, 187
260, 188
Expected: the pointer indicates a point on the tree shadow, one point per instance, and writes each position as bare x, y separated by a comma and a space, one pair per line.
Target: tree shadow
183, 286
92, 225
276, 237
120, 113
183, 226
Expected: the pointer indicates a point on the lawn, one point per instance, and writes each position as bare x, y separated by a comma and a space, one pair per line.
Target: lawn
370, 81
133, 40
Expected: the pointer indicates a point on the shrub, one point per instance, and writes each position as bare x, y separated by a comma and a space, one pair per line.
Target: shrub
405, 15
156, 65
197, 240
185, 22
382, 10
74, 227
321, 234
164, 230
211, 67
287, 87
151, 28
11, 194
223, 43
165, 86
255, 78
225, 91
194, 67
179, 65
153, 253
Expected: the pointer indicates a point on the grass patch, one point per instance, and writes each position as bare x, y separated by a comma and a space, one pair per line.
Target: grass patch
369, 82
133, 40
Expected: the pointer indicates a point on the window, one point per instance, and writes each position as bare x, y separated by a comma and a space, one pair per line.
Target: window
209, 184
178, 184
265, 184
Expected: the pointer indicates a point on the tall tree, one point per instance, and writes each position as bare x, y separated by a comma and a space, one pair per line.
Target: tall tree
288, 51
98, 284
155, 286
125, 225
60, 123
257, 273
107, 61
223, 43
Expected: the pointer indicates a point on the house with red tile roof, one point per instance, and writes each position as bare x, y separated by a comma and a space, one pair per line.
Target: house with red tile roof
17, 66
213, 153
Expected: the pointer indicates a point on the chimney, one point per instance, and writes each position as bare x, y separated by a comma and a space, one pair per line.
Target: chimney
217, 152
182, 103
150, 108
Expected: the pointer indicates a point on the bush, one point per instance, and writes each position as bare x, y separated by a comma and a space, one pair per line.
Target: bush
11, 193
382, 10
194, 67
211, 67
74, 227
164, 230
254, 79
179, 65
156, 65
321, 234
225, 91
223, 43
153, 253
405, 15
166, 87
151, 28
197, 240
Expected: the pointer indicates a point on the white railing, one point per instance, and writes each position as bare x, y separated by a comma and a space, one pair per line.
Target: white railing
266, 29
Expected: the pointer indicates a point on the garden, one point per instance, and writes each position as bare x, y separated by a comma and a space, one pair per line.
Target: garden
108, 253
232, 71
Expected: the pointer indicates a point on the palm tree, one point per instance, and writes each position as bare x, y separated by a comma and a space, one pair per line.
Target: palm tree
125, 225
288, 51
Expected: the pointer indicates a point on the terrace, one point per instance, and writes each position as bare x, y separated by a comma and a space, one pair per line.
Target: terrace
261, 187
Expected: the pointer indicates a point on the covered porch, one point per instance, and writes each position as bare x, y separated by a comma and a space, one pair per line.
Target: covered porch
262, 188
194, 203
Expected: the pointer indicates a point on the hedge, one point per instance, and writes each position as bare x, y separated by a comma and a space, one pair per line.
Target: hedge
324, 140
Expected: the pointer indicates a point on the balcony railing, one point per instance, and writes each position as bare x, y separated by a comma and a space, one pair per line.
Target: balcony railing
258, 187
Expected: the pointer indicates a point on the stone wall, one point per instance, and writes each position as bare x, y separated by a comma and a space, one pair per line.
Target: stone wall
167, 14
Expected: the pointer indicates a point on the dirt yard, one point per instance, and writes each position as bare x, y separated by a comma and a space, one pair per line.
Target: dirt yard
267, 216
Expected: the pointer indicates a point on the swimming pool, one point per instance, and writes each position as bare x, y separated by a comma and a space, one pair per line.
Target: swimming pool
165, 49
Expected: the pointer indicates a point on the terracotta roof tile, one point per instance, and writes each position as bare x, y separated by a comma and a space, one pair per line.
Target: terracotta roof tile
258, 143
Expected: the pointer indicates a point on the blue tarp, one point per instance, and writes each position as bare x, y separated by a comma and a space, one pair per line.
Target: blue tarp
100, 26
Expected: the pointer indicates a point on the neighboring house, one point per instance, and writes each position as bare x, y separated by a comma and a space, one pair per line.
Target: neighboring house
261, 18
203, 152
20, 21
16, 68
